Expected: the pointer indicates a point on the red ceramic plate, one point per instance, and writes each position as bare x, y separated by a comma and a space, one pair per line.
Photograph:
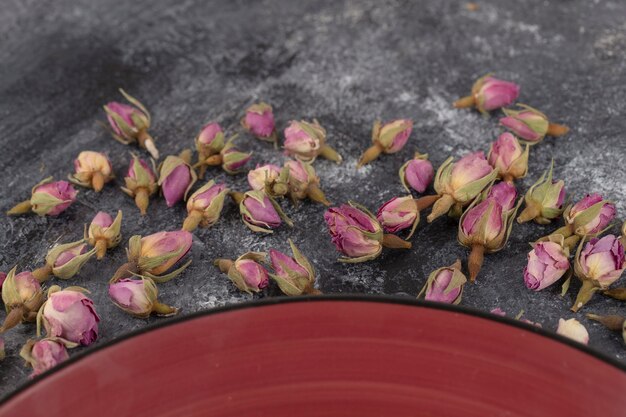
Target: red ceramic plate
332, 356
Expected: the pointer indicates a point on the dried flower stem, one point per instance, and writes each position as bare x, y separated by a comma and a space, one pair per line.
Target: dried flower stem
329, 153
426, 201
315, 193
555, 129
464, 102
124, 271
475, 260
43, 274
97, 181
146, 142
584, 295
617, 293
15, 317
394, 242
370, 154
529, 213
21, 208
101, 248
192, 221
237, 196
441, 207
612, 322
161, 309
223, 264
142, 199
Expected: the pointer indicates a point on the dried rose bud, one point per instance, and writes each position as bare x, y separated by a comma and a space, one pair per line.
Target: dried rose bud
104, 232
139, 298
547, 263
357, 234
306, 141
530, 125
269, 178
417, 173
589, 217
260, 212
304, 182
458, 183
444, 285
598, 265
43, 355
612, 322
212, 151
130, 124
388, 138
574, 330
141, 183
246, 272
176, 177
22, 296
507, 157
204, 207
544, 200
210, 141
295, 276
64, 261
69, 314
398, 214
505, 194
92, 170
489, 93
259, 120
48, 198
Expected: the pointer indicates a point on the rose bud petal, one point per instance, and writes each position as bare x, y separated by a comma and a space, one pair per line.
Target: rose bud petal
246, 272
530, 124
504, 193
544, 200
92, 170
139, 298
306, 141
260, 212
417, 173
458, 183
64, 261
398, 214
388, 138
259, 120
43, 355
444, 285
489, 93
104, 232
141, 183
130, 124
258, 177
294, 275
204, 207
176, 177
574, 330
48, 197
303, 182
547, 263
22, 296
507, 157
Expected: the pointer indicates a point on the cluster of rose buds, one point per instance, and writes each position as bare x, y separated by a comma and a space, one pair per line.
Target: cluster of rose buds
613, 322
44, 354
141, 183
204, 207
92, 170
357, 234
574, 330
417, 173
544, 200
489, 93
507, 158
176, 177
306, 141
387, 138
214, 151
104, 232
139, 297
22, 296
48, 198
259, 120
130, 124
260, 212
445, 285
530, 125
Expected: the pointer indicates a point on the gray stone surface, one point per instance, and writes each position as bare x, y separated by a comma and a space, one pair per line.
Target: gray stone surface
345, 63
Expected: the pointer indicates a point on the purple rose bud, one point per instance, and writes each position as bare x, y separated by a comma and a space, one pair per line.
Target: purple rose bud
418, 173
138, 297
69, 314
45, 354
306, 141
398, 214
489, 93
530, 124
388, 138
260, 211
294, 275
505, 194
471, 167
204, 207
102, 219
168, 246
591, 215
176, 179
233, 160
69, 254
574, 330
507, 157
547, 263
445, 285
52, 198
259, 120
353, 232
253, 273
483, 221
210, 133
262, 174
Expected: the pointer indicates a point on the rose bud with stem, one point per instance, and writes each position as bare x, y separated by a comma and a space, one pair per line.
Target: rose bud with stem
417, 173
65, 261
209, 142
246, 272
204, 207
260, 212
458, 183
104, 232
44, 354
574, 330
388, 138
306, 141
294, 275
544, 200
259, 120
139, 298
357, 234
547, 263
22, 296
400, 213
269, 178
92, 170
530, 125
507, 157
489, 93
230, 158
130, 124
304, 182
141, 183
598, 265
176, 177
444, 285
611, 322
48, 198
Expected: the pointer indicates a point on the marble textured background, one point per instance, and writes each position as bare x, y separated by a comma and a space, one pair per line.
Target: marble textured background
343, 62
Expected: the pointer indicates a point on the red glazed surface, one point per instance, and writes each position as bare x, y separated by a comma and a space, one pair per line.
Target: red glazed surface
332, 357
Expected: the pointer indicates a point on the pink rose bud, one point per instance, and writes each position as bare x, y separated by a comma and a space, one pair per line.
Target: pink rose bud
204, 207
505, 194
259, 120
445, 285
64, 261
388, 138
398, 214
43, 355
417, 173
295, 276
574, 330
138, 297
590, 216
530, 124
176, 177
507, 157
260, 212
246, 272
544, 200
306, 141
458, 183
547, 263
66, 256
489, 93
130, 124
262, 174
92, 170
303, 182
104, 232
22, 296
209, 135
233, 160
155, 254
48, 197
141, 183
69, 314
